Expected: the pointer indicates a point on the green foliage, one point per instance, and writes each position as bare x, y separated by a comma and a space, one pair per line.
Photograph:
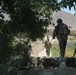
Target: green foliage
69, 3
5, 42
26, 16
69, 48
32, 16
29, 16
55, 51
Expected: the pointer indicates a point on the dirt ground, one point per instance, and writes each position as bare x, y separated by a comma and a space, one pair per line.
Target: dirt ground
38, 50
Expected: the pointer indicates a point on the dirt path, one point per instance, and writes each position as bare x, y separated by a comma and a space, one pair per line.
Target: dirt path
38, 50
43, 54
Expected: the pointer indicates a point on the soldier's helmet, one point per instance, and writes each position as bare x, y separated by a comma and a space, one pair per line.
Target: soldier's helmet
59, 20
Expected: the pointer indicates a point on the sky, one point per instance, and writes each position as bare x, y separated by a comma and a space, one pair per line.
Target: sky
72, 11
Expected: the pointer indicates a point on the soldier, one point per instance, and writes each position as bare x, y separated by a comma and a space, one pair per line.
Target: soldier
74, 51
48, 46
61, 31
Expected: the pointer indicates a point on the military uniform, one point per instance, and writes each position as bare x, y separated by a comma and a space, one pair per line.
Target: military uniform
61, 31
74, 51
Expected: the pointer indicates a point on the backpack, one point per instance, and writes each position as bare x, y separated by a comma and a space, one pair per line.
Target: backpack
66, 31
63, 30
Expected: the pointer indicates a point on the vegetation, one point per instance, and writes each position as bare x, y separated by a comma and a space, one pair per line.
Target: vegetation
26, 16
55, 51
69, 48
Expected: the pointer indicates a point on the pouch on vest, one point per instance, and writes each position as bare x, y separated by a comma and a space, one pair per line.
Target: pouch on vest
66, 31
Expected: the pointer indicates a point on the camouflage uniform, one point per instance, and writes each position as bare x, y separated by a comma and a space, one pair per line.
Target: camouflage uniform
61, 31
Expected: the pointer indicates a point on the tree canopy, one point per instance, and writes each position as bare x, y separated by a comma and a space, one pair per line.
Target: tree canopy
31, 16
26, 16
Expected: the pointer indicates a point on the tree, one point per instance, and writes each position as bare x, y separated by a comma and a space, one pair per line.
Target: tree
26, 16
29, 16
69, 3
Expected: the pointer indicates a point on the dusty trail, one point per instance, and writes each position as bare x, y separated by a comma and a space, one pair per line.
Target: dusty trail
38, 50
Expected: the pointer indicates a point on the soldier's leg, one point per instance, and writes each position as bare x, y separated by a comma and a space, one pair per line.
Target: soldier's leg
62, 48
74, 52
64, 42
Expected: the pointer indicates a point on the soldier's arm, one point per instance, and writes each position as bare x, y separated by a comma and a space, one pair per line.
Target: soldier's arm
55, 32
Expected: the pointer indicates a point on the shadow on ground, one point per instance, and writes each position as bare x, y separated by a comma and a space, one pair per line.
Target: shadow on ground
46, 63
